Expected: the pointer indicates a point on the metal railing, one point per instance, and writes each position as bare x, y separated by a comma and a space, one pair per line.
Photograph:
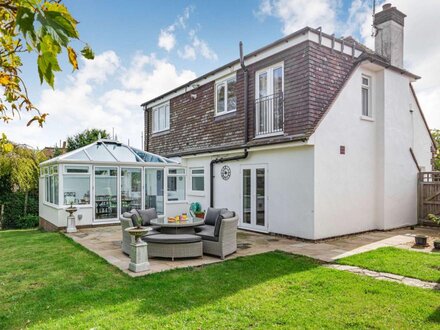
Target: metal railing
269, 115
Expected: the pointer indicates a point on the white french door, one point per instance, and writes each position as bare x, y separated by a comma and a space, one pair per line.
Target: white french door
254, 197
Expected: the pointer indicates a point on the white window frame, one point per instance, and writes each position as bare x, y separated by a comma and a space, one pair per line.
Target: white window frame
368, 87
269, 71
175, 175
49, 173
224, 81
198, 175
84, 174
155, 117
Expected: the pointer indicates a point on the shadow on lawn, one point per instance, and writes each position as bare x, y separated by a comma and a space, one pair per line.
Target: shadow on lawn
435, 317
64, 279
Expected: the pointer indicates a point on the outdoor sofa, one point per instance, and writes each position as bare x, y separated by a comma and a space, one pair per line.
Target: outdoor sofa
219, 233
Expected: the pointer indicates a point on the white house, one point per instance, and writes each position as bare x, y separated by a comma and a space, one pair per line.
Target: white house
311, 136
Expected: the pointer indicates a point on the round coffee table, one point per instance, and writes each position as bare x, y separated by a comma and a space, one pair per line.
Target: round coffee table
178, 227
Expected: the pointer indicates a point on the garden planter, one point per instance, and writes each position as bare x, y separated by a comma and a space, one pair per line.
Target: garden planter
200, 215
421, 240
437, 244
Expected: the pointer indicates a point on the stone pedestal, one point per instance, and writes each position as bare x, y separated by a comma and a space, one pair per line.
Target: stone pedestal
71, 227
139, 257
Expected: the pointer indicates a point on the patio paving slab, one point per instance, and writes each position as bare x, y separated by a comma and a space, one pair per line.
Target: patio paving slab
105, 242
386, 276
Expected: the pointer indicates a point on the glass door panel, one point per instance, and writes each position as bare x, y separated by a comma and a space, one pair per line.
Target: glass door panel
247, 196
154, 180
261, 196
131, 189
106, 193
254, 197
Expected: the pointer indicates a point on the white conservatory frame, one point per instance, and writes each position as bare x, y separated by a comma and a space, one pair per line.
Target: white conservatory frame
111, 154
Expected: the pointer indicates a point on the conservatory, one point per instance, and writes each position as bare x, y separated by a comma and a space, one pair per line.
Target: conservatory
106, 178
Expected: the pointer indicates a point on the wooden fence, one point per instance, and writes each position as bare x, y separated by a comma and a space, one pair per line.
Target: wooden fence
428, 196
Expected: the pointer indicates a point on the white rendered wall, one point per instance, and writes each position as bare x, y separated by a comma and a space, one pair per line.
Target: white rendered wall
372, 186
289, 189
403, 129
345, 184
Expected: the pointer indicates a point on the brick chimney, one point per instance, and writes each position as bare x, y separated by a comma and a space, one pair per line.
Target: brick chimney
389, 38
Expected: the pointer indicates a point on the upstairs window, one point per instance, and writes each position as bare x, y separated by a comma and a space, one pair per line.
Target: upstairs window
225, 97
161, 118
366, 96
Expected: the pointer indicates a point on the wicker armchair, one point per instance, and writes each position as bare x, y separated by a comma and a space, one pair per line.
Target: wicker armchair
227, 239
127, 239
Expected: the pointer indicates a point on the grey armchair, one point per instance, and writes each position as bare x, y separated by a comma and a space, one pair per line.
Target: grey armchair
221, 239
127, 222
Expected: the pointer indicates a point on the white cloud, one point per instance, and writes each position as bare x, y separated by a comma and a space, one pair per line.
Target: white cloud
296, 14
188, 53
197, 47
102, 94
167, 40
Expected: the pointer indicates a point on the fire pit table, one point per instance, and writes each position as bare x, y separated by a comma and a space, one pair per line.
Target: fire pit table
177, 239
178, 226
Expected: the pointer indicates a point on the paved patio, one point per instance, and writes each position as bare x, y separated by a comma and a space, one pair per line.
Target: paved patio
105, 242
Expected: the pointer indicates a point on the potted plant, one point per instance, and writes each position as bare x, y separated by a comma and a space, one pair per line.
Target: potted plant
436, 219
197, 209
421, 240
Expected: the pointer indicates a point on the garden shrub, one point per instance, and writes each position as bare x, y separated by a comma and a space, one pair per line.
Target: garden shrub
27, 221
14, 208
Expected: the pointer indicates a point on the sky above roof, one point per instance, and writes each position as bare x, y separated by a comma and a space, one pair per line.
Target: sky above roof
145, 48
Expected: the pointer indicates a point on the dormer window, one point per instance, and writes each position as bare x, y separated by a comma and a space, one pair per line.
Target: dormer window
366, 96
161, 117
225, 97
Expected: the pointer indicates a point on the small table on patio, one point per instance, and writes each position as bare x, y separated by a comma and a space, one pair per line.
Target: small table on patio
177, 239
178, 227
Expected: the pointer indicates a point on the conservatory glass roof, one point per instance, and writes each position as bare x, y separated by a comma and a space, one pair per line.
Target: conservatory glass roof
110, 151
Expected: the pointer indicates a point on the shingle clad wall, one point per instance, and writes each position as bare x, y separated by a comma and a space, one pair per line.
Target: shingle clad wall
313, 75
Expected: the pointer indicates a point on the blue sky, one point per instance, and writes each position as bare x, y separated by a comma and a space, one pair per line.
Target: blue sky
134, 63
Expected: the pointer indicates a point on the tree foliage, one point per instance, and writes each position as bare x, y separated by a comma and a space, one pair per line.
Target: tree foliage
19, 165
436, 135
44, 27
85, 137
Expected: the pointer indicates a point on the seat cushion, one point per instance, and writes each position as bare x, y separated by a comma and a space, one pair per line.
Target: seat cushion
152, 232
207, 234
224, 214
146, 215
200, 228
172, 239
211, 216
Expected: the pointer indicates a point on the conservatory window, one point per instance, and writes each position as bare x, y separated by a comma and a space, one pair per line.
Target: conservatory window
176, 184
106, 191
154, 181
51, 184
131, 189
76, 185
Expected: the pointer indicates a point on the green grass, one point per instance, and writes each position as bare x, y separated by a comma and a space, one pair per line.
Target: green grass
47, 281
424, 266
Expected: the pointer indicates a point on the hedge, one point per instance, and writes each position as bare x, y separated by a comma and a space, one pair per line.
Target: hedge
14, 217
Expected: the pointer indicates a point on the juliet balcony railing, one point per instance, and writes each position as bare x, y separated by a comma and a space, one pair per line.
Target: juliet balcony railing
269, 115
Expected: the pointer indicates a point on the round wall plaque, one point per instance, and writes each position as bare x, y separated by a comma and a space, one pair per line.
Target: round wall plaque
226, 172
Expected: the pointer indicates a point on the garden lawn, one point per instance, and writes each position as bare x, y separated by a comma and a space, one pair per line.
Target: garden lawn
424, 266
47, 281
